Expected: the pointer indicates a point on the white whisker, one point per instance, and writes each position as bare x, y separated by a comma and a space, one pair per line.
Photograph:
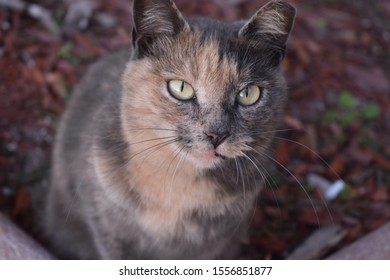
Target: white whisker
312, 151
176, 166
296, 179
265, 178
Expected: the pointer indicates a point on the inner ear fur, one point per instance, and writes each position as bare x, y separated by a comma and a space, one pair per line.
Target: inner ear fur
154, 18
271, 25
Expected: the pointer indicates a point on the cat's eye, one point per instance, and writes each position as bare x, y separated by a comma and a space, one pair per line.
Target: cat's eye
249, 95
181, 90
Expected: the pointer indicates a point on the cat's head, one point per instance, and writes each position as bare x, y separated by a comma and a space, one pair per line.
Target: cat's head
207, 89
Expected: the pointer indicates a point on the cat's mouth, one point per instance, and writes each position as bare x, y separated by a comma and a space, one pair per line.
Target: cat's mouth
220, 156
212, 154
208, 159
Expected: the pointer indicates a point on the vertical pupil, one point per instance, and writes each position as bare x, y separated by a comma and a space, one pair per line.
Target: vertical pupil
247, 92
182, 86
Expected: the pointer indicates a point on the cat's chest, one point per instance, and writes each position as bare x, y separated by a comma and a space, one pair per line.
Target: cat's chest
169, 203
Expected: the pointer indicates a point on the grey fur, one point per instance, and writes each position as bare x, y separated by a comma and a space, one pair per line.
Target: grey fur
102, 203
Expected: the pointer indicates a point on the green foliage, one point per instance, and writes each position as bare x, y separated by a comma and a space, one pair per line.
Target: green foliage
346, 193
349, 117
66, 50
371, 111
322, 23
347, 100
349, 109
367, 140
331, 116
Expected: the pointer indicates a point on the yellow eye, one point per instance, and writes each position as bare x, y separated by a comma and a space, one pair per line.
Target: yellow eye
181, 90
249, 95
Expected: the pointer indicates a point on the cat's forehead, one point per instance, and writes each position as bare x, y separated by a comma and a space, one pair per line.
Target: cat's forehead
211, 73
202, 62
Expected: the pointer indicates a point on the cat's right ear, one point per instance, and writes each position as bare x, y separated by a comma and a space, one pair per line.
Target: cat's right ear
155, 18
270, 26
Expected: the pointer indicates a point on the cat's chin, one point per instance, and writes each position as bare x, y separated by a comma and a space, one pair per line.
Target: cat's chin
207, 160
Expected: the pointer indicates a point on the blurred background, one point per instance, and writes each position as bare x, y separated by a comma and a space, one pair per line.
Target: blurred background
332, 171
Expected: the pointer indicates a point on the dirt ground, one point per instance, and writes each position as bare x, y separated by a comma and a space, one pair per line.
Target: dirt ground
337, 125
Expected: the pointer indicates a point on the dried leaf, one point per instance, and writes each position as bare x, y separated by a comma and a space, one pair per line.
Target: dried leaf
380, 160
283, 152
336, 168
294, 123
22, 203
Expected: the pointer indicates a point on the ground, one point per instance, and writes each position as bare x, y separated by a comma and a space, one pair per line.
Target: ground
336, 128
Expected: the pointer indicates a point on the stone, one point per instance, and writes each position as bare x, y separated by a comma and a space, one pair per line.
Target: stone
17, 245
318, 243
373, 246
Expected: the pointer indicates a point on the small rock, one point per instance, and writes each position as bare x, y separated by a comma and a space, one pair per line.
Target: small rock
319, 243
330, 190
16, 245
374, 246
315, 180
105, 20
79, 15
16, 5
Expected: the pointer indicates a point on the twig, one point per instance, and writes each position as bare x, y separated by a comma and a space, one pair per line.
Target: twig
44, 16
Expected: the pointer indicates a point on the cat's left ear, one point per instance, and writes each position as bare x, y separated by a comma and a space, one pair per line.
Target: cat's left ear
155, 18
271, 25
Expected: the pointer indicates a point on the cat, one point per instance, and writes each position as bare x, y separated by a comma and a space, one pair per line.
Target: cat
161, 151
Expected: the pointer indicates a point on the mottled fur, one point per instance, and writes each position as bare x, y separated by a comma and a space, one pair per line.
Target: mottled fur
130, 177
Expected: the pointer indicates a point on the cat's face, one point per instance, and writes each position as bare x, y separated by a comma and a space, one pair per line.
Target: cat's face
211, 91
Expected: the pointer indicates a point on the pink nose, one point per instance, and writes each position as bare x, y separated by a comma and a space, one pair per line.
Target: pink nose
217, 138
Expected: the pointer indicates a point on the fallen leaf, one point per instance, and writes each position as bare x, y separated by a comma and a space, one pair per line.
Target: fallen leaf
380, 160
22, 203
294, 123
283, 152
336, 168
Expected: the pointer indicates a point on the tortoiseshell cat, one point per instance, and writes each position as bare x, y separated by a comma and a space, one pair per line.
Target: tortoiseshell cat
160, 154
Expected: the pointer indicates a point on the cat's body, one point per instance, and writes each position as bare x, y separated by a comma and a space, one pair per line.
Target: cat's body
144, 169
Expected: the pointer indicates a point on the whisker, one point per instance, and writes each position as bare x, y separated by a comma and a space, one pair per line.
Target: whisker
158, 146
323, 161
243, 183
273, 131
238, 175
74, 199
256, 196
265, 178
166, 158
151, 128
152, 139
296, 179
177, 150
150, 153
312, 151
176, 166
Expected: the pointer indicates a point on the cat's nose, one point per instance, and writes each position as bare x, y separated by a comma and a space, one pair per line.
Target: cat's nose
217, 138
